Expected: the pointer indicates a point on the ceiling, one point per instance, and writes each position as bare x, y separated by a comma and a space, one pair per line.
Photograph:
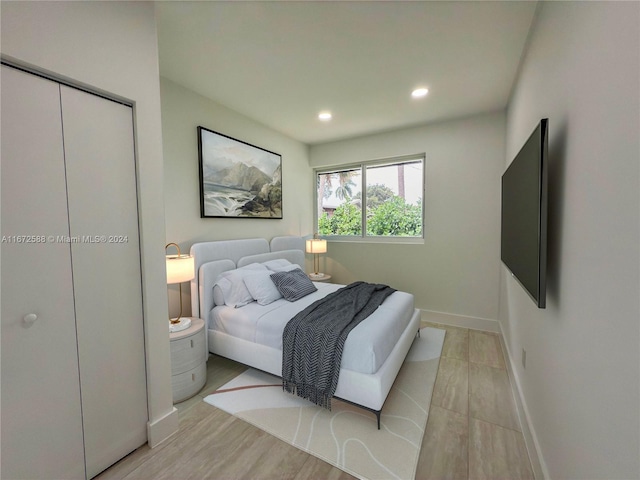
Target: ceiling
281, 63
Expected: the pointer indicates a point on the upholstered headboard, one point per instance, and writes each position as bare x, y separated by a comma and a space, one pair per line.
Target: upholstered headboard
279, 244
213, 258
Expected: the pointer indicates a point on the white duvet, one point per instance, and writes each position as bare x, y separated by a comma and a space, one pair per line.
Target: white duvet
366, 347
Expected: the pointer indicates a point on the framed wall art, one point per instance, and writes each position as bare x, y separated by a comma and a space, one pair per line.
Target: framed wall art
237, 179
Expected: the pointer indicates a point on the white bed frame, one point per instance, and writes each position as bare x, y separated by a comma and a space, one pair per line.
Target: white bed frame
212, 258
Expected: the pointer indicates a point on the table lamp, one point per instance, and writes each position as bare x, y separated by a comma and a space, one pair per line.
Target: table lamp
180, 268
316, 246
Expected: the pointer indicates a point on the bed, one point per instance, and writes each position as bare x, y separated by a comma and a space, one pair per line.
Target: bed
252, 333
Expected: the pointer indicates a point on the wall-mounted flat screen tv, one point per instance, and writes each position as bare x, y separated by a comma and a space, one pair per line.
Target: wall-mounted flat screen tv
524, 215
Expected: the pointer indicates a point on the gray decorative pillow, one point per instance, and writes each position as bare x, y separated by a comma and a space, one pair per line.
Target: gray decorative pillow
293, 285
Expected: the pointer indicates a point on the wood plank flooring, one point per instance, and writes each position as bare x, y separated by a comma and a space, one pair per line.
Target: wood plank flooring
473, 430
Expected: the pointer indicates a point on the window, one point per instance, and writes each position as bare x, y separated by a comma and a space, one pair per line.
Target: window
373, 200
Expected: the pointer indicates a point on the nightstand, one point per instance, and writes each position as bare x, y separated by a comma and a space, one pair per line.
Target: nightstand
188, 360
321, 277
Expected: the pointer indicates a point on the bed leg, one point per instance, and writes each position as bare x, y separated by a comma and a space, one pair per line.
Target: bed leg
378, 417
418, 333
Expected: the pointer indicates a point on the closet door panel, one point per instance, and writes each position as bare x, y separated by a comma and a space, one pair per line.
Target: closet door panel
103, 215
41, 414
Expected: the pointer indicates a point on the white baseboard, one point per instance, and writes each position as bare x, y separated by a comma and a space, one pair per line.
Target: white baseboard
540, 471
474, 323
161, 429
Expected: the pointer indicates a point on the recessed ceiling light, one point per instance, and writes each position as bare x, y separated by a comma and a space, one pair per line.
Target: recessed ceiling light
419, 92
325, 116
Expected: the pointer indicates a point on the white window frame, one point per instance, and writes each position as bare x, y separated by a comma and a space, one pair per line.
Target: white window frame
364, 238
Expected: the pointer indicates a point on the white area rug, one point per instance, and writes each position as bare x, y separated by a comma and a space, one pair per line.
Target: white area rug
347, 436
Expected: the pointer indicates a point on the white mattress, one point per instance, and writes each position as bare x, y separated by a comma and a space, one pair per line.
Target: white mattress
366, 347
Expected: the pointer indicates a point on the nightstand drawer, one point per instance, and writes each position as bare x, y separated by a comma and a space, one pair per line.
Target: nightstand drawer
189, 383
187, 353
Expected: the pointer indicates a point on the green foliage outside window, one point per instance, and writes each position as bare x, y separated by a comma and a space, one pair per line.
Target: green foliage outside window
346, 220
395, 217
383, 189
376, 195
390, 217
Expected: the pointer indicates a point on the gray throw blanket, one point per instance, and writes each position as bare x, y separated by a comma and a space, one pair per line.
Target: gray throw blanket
313, 340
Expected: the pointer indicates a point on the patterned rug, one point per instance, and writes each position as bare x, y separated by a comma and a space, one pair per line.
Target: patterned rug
347, 436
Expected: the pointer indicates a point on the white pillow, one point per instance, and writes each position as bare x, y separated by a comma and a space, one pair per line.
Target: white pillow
277, 263
230, 283
218, 296
286, 268
262, 288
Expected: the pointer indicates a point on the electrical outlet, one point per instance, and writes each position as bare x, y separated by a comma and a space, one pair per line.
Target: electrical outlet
524, 358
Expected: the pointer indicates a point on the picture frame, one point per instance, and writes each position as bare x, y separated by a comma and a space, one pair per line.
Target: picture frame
237, 179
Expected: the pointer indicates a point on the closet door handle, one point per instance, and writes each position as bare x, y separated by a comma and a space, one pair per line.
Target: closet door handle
29, 319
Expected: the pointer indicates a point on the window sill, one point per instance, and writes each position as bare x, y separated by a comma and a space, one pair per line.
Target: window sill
374, 240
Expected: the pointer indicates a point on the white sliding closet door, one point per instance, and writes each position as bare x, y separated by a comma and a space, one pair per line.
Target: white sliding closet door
103, 215
41, 421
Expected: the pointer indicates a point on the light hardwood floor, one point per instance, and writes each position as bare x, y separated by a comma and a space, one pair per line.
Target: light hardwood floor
473, 430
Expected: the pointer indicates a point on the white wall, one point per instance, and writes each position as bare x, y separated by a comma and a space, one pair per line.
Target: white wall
456, 270
112, 47
580, 386
182, 112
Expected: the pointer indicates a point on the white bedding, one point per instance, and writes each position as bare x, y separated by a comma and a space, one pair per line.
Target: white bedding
365, 376
366, 348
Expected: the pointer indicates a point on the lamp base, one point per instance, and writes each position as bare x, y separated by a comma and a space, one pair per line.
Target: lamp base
316, 275
179, 324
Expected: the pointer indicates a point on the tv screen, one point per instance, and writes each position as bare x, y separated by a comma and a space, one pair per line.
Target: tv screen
524, 215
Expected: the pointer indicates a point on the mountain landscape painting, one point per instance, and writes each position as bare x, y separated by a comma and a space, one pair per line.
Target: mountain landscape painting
238, 179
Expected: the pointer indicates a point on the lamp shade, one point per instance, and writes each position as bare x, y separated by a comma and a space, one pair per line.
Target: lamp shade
180, 268
316, 245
